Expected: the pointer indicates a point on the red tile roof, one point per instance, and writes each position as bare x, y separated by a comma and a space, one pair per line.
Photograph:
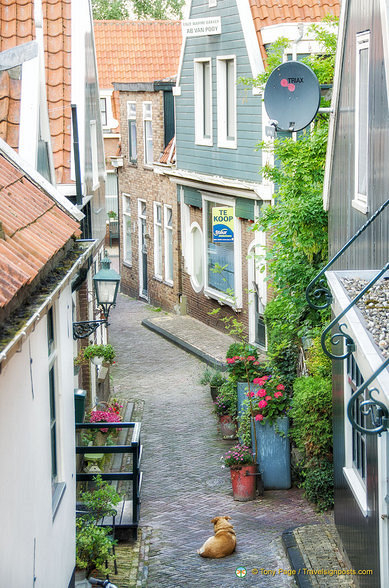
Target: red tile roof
169, 153
272, 12
17, 27
136, 51
33, 229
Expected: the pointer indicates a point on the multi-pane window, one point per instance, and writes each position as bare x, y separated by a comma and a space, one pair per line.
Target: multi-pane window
226, 101
127, 247
203, 101
220, 259
148, 132
132, 138
103, 111
362, 121
168, 233
158, 240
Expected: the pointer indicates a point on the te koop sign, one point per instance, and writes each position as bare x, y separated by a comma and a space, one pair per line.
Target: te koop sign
223, 225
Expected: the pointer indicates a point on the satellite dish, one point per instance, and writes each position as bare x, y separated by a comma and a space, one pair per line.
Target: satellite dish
292, 96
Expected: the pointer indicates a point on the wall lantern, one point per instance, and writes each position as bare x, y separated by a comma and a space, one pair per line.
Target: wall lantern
106, 284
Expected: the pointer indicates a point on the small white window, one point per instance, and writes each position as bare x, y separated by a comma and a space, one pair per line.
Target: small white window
203, 102
158, 240
196, 258
127, 246
95, 165
226, 102
132, 135
168, 234
103, 111
362, 122
148, 132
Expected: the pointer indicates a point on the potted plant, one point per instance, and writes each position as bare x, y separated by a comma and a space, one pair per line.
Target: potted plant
93, 543
268, 406
215, 379
243, 470
226, 409
112, 215
99, 354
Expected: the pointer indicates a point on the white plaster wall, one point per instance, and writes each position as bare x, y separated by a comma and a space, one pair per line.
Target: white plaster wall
25, 489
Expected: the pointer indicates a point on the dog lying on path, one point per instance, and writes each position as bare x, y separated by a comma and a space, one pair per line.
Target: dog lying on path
224, 541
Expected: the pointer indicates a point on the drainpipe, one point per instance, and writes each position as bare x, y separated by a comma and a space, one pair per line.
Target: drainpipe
76, 149
300, 28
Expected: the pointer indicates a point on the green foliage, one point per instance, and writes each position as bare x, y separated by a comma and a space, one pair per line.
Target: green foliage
311, 412
275, 56
107, 352
238, 456
319, 485
227, 399
318, 363
244, 425
93, 543
110, 10
324, 64
158, 9
212, 377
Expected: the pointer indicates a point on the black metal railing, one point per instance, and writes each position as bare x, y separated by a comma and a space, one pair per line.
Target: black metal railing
318, 289
135, 449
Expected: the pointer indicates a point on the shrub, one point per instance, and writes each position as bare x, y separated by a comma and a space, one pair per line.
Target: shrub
311, 411
227, 399
318, 363
319, 485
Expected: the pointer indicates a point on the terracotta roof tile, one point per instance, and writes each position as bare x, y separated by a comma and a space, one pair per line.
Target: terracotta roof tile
136, 51
35, 229
169, 153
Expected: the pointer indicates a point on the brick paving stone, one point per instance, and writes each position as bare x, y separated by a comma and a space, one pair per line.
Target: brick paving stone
184, 485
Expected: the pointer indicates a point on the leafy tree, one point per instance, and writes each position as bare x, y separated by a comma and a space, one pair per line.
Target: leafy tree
110, 9
143, 9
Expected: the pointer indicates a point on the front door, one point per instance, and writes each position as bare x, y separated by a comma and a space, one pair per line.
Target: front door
143, 288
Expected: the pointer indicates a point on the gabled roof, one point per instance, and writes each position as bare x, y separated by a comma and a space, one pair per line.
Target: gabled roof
33, 228
17, 27
136, 51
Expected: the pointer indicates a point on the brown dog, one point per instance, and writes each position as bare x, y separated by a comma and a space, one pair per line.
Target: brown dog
224, 541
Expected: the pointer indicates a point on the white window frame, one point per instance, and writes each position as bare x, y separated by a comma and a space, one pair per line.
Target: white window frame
95, 162
168, 234
104, 123
360, 201
126, 216
131, 117
226, 117
200, 137
351, 474
197, 286
112, 123
158, 261
235, 303
147, 117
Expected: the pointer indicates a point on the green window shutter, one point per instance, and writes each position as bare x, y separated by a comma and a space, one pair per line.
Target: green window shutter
244, 208
193, 197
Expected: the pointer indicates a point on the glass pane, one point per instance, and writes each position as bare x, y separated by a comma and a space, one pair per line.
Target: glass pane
169, 217
50, 331
148, 141
220, 260
103, 111
146, 110
158, 213
132, 140
131, 110
127, 238
143, 208
126, 205
158, 252
363, 121
230, 98
169, 269
197, 256
206, 99
111, 185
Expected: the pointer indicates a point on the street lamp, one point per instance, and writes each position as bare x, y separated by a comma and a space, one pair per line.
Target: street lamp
106, 285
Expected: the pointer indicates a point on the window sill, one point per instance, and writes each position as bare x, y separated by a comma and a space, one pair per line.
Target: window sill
221, 298
127, 264
357, 489
157, 278
168, 283
59, 491
228, 145
204, 142
148, 167
360, 206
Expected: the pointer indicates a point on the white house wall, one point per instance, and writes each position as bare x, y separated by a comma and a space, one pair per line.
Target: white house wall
33, 542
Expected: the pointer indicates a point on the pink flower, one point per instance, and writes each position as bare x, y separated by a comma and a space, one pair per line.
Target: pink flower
268, 397
250, 357
230, 360
262, 404
277, 394
261, 392
256, 363
259, 381
251, 394
259, 417
280, 387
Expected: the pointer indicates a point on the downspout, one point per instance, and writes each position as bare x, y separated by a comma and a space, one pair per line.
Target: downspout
76, 149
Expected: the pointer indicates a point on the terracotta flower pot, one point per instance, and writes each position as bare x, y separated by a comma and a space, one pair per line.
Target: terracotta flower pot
227, 426
244, 485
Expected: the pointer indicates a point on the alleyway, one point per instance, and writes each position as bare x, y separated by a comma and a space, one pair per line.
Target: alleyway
184, 486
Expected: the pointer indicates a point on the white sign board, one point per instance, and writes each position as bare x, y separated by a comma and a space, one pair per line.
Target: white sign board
198, 27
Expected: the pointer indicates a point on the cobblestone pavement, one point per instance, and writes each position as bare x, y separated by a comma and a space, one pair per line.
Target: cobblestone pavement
184, 486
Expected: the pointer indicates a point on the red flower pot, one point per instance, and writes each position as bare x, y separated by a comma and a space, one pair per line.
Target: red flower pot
244, 485
227, 426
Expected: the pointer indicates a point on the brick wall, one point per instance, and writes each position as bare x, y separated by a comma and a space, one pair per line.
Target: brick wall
140, 182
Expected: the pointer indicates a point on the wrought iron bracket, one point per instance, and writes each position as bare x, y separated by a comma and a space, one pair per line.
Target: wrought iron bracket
318, 289
83, 329
337, 337
372, 408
